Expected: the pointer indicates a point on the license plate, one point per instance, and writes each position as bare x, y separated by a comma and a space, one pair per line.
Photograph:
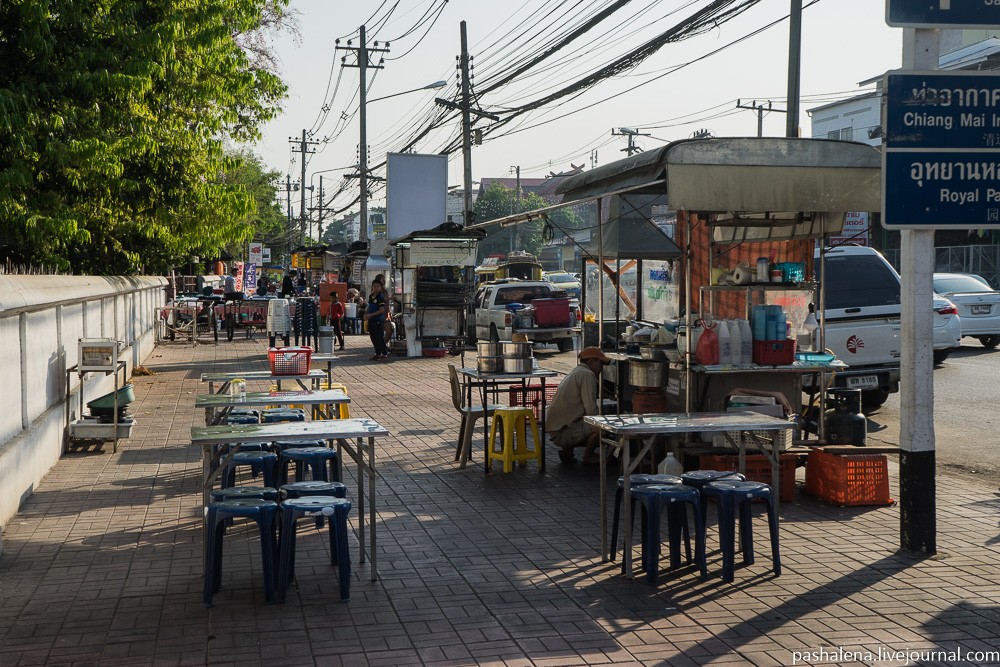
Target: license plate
981, 310
862, 382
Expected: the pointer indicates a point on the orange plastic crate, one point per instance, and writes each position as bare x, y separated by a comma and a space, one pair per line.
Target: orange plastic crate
289, 360
531, 396
757, 469
848, 479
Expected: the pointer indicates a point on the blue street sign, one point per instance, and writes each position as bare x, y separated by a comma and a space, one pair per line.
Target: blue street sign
942, 110
942, 13
941, 189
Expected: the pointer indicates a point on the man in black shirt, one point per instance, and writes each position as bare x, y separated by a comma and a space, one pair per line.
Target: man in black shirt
288, 285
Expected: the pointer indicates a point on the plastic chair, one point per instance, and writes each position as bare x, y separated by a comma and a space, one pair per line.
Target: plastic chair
216, 516
336, 509
634, 480
266, 462
654, 497
737, 495
470, 415
343, 409
514, 422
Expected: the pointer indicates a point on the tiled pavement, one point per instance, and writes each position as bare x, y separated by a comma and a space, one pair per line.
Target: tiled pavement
103, 563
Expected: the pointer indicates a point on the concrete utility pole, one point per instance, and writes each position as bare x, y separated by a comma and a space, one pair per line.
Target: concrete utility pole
465, 67
759, 109
631, 133
517, 198
362, 64
303, 148
289, 188
794, 67
319, 216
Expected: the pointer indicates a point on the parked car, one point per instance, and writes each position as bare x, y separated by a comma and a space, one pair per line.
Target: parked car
947, 328
564, 281
977, 304
494, 320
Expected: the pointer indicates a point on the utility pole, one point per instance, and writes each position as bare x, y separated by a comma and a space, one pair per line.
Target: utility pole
759, 109
794, 67
631, 133
304, 149
517, 198
593, 158
319, 216
362, 64
465, 66
289, 188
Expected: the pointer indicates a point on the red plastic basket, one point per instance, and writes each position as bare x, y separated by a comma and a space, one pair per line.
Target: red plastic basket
289, 360
531, 396
848, 479
757, 469
774, 352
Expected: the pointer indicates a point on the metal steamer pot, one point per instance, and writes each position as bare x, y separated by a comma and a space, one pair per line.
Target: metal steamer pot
647, 373
491, 364
516, 350
488, 349
512, 365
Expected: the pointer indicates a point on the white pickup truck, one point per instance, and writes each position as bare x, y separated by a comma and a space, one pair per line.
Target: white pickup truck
495, 321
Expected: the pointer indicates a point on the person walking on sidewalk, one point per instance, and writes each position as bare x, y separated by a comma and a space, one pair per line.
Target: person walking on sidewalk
337, 318
378, 306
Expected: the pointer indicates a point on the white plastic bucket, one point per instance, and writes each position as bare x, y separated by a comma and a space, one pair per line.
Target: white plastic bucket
350, 310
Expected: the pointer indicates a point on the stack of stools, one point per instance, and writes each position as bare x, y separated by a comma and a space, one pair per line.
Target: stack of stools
734, 497
275, 415
514, 422
674, 497
304, 322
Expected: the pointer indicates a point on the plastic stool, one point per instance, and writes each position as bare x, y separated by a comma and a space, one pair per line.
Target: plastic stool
258, 461
308, 489
653, 498
245, 411
699, 478
241, 419
279, 446
314, 458
514, 422
343, 409
216, 514
275, 415
336, 509
733, 495
239, 492
634, 480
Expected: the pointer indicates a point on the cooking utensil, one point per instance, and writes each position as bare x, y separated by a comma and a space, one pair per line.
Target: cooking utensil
654, 352
516, 350
487, 348
489, 364
515, 365
647, 373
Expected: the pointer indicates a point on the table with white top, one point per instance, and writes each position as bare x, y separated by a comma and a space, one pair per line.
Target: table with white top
218, 406
617, 430
313, 377
486, 381
355, 436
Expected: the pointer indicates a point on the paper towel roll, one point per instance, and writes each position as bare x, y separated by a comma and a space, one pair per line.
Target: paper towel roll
742, 275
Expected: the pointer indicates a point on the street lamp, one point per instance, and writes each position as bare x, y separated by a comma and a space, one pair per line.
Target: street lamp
363, 149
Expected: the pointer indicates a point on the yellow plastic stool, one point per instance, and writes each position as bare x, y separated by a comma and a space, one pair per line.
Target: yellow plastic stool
344, 409
514, 422
274, 388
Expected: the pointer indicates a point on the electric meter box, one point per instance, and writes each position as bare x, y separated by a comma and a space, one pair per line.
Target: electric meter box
98, 354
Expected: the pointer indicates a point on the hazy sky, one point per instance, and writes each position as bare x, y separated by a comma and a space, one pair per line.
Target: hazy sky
844, 42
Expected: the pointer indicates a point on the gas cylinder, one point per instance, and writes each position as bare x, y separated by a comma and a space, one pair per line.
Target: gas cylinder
845, 425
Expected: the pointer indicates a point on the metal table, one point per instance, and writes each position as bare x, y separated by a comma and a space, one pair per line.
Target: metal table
314, 377
329, 358
342, 431
486, 380
622, 428
217, 406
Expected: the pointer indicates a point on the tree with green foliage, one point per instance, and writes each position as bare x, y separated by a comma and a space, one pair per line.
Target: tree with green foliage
114, 115
498, 202
267, 222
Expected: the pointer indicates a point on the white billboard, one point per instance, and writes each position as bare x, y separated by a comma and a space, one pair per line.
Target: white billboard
416, 192
257, 254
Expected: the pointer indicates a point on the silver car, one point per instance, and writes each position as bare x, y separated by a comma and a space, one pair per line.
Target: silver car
978, 305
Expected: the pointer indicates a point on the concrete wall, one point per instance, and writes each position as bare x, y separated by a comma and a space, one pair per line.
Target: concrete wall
41, 320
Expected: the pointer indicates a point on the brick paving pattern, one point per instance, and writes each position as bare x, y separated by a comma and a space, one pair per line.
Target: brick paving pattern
103, 563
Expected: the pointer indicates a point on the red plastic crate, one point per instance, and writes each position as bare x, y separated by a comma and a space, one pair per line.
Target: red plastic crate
531, 396
289, 360
551, 312
774, 352
758, 469
848, 479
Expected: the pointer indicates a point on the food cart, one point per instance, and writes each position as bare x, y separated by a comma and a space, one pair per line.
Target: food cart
436, 267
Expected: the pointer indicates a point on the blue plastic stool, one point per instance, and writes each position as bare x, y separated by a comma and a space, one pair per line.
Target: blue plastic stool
264, 513
275, 415
266, 462
733, 495
240, 492
674, 497
699, 478
314, 458
336, 510
241, 419
634, 480
245, 411
307, 489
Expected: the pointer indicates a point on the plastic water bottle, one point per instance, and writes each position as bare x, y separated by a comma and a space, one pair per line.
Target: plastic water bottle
670, 466
725, 344
746, 338
735, 343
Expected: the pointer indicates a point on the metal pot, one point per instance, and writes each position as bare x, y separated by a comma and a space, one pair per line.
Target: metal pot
654, 352
489, 364
511, 365
516, 350
488, 349
647, 373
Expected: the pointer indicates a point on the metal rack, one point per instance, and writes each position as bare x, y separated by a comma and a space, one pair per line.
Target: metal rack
92, 429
